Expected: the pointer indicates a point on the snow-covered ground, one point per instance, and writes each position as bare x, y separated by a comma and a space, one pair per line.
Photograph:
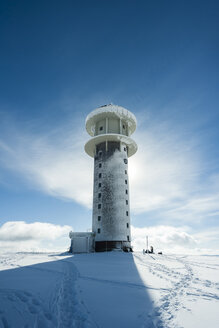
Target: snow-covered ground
108, 290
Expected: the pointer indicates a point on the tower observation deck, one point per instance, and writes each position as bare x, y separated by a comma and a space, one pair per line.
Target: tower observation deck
110, 127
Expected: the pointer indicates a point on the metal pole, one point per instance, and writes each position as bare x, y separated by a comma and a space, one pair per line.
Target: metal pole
147, 243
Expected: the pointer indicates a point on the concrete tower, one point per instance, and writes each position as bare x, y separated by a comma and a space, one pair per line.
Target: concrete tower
110, 127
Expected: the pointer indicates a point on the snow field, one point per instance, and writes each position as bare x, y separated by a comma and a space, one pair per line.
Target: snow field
112, 289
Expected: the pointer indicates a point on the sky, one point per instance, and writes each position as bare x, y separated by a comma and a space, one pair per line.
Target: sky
59, 61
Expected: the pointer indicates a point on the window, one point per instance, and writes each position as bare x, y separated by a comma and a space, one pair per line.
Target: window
123, 126
99, 218
126, 182
101, 128
100, 175
100, 153
127, 225
99, 185
126, 202
100, 165
127, 213
124, 148
99, 206
99, 195
125, 161
125, 171
126, 191
128, 238
98, 230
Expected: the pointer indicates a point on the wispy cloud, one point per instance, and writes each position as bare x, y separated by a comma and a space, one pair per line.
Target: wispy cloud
196, 208
162, 171
170, 175
52, 162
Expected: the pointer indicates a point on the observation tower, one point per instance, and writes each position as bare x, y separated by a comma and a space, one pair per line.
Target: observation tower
110, 127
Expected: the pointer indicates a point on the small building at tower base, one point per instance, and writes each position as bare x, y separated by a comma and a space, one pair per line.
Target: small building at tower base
81, 242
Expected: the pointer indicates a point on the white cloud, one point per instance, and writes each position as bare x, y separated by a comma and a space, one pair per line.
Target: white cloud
20, 230
19, 235
169, 239
163, 238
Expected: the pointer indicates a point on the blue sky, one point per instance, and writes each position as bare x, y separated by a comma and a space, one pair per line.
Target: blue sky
60, 60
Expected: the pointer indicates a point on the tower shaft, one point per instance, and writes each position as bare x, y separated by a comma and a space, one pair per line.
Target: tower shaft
111, 211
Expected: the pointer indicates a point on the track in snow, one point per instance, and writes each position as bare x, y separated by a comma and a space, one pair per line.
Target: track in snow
185, 286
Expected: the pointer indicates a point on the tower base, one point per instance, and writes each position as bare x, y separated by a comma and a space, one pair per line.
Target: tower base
107, 246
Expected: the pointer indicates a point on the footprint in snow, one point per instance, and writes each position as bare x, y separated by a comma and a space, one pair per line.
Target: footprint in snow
166, 304
48, 316
35, 302
27, 293
22, 297
11, 298
32, 309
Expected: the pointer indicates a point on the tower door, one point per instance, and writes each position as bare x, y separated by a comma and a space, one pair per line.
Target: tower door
80, 245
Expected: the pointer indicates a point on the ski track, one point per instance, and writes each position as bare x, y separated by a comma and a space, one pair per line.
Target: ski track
182, 285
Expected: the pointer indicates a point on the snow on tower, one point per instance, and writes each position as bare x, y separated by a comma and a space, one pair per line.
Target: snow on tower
110, 127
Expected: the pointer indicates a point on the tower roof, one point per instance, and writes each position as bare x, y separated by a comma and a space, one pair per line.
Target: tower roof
110, 111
